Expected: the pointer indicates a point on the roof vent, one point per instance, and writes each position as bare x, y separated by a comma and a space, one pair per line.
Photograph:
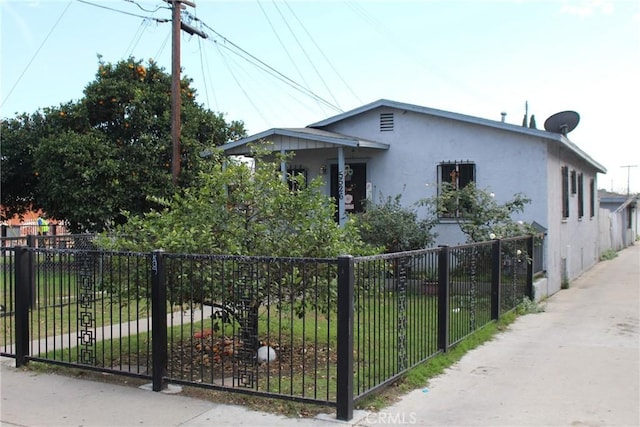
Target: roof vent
386, 122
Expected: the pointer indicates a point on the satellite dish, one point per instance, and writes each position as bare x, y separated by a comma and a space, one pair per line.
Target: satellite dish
562, 122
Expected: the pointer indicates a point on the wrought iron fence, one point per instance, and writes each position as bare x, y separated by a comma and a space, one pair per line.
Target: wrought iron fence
327, 331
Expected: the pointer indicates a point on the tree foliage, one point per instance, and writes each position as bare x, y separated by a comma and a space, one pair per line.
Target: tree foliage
86, 161
238, 210
478, 214
396, 228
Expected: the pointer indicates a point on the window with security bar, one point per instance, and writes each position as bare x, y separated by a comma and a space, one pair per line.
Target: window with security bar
294, 182
454, 176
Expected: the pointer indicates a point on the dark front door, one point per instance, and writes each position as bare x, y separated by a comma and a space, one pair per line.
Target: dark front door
355, 183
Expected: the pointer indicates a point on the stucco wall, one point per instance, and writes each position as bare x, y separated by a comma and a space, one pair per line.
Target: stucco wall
506, 163
572, 242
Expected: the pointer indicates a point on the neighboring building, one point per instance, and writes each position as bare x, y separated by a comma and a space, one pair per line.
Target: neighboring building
619, 220
28, 225
391, 148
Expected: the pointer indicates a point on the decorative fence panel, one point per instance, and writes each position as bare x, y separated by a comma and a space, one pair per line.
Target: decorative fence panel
326, 331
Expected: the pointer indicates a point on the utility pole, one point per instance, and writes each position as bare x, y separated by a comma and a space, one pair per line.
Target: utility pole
176, 98
629, 176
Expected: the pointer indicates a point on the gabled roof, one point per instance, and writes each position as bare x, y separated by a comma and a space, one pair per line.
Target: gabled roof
295, 139
621, 200
385, 103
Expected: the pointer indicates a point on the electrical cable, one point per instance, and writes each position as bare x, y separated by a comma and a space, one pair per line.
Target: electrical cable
264, 12
323, 54
36, 54
203, 61
161, 20
162, 46
239, 85
136, 38
266, 67
304, 51
146, 10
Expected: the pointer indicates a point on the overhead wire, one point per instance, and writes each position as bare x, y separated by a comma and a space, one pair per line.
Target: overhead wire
304, 51
146, 10
224, 60
136, 38
293, 62
162, 20
36, 53
162, 46
326, 58
248, 57
431, 67
203, 62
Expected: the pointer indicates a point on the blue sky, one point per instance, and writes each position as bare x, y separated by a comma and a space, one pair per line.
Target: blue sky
473, 57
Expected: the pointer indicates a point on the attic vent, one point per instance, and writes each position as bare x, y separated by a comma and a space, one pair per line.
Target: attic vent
386, 122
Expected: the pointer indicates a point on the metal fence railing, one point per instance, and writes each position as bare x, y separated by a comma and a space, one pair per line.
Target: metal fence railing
326, 331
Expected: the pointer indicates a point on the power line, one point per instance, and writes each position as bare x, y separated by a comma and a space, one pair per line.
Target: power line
237, 50
218, 46
136, 38
323, 54
146, 10
203, 61
36, 54
295, 37
273, 28
161, 20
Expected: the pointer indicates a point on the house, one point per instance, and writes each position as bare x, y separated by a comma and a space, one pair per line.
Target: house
389, 148
618, 220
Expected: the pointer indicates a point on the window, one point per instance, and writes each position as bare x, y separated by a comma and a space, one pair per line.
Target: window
292, 173
592, 200
580, 195
453, 176
458, 175
573, 182
565, 192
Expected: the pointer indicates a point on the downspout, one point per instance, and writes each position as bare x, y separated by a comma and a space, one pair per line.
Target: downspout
342, 217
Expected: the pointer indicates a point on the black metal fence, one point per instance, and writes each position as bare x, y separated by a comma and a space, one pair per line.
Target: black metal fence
326, 331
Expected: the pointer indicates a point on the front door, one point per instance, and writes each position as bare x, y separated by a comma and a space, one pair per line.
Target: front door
355, 186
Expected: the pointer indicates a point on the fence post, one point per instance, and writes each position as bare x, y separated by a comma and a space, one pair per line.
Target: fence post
22, 302
528, 290
32, 243
443, 298
158, 321
344, 393
496, 278
3, 227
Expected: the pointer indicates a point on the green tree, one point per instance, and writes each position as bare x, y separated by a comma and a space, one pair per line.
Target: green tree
236, 209
19, 138
239, 210
478, 214
396, 228
125, 114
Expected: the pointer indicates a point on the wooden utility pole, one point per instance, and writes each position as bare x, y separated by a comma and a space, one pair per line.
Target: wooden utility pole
629, 176
176, 98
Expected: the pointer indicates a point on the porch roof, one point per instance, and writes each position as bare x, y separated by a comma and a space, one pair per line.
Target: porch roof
296, 139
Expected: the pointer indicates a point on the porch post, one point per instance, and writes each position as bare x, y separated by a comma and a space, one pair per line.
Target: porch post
342, 218
283, 166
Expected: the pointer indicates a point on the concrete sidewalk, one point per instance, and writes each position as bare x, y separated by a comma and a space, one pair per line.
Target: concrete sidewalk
575, 364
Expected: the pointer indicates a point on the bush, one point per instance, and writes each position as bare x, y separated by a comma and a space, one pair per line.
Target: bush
390, 225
